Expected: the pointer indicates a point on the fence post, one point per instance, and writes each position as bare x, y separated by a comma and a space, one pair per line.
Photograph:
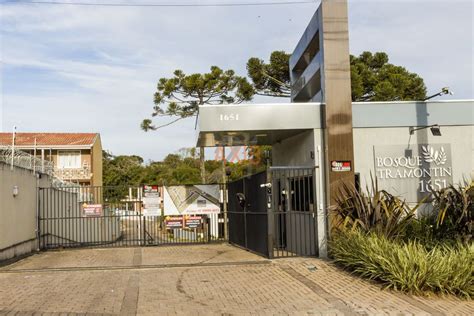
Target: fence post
208, 223
270, 213
38, 215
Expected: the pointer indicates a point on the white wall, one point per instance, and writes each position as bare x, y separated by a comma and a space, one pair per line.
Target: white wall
461, 139
295, 151
18, 213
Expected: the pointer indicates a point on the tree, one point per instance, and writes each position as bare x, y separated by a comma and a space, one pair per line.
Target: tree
272, 79
175, 169
179, 97
373, 78
120, 170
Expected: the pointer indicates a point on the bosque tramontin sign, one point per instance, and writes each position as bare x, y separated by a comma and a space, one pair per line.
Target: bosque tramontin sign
413, 173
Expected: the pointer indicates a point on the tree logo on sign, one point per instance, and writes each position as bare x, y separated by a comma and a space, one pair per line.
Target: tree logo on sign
431, 155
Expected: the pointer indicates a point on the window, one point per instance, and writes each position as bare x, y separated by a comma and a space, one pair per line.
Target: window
69, 159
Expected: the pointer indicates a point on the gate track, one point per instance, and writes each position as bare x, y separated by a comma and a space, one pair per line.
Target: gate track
137, 267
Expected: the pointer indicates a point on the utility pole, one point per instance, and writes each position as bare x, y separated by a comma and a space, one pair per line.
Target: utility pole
202, 163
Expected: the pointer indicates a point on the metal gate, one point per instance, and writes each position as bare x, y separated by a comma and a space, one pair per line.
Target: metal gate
107, 217
294, 217
273, 213
247, 213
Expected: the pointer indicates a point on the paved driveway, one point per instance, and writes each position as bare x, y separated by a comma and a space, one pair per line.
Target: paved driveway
216, 279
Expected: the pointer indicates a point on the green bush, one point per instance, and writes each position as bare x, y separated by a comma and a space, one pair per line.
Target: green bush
455, 213
373, 211
406, 266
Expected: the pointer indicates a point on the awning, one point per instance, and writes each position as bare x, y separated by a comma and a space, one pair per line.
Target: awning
254, 124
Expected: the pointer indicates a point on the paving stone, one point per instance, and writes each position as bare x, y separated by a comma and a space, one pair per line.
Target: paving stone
214, 279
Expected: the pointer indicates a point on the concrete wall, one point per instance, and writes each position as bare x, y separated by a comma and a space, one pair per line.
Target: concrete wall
18, 213
295, 151
461, 139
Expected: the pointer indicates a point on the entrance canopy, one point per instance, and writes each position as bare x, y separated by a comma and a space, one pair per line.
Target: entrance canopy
255, 124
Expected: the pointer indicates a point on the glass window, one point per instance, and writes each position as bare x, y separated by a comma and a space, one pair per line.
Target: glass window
69, 159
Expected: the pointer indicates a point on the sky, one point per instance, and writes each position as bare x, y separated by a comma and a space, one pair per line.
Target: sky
94, 68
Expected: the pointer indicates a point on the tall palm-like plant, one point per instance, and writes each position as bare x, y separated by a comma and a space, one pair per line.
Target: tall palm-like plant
455, 207
373, 211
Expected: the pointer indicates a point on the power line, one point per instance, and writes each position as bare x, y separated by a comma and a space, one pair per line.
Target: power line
236, 4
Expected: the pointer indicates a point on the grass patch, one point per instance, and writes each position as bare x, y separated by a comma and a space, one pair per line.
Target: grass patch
406, 266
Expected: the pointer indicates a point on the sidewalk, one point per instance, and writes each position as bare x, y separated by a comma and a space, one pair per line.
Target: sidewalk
197, 280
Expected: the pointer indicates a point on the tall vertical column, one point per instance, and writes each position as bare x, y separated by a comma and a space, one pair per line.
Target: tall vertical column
336, 89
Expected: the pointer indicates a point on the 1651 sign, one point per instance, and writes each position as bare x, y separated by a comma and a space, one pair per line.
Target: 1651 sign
413, 173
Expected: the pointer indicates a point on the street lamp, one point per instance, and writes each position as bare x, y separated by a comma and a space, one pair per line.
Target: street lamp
443, 91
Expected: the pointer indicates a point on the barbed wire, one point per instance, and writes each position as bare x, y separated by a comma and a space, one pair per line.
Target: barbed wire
21, 159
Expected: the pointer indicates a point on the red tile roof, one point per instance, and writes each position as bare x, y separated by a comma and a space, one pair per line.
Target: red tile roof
49, 139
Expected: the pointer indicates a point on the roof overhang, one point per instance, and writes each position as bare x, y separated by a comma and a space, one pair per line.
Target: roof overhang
255, 124
267, 124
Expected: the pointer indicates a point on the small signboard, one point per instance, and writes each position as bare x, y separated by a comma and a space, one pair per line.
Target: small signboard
193, 221
173, 222
151, 212
91, 210
151, 200
341, 166
191, 200
150, 188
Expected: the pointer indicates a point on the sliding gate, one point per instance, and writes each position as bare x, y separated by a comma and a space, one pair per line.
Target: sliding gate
114, 217
273, 213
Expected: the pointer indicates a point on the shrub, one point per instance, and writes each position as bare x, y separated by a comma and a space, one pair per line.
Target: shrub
455, 213
372, 211
408, 267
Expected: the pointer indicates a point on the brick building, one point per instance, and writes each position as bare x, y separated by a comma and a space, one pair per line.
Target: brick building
76, 157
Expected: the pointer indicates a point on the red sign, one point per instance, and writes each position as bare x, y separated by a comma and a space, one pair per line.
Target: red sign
150, 188
173, 222
192, 221
91, 210
340, 166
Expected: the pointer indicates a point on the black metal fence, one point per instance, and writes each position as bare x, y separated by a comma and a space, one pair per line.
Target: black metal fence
112, 217
273, 213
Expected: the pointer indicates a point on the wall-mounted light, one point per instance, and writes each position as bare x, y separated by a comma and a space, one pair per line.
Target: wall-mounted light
435, 129
443, 91
15, 191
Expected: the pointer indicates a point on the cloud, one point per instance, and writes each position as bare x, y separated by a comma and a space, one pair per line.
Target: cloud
431, 38
67, 68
